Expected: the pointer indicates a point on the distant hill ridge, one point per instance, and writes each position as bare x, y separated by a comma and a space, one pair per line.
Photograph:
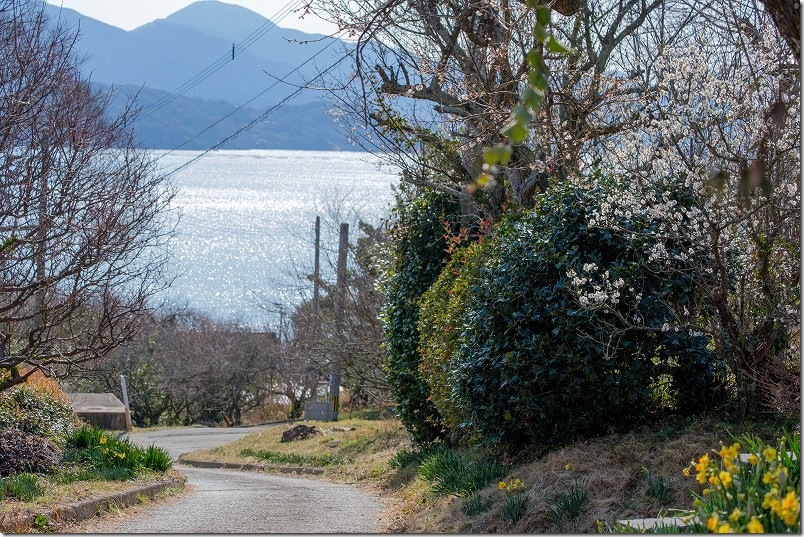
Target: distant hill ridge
160, 57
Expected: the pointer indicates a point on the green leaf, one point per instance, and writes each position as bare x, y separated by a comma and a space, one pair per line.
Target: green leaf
542, 14
532, 97
536, 60
540, 32
522, 114
557, 47
515, 132
539, 81
498, 154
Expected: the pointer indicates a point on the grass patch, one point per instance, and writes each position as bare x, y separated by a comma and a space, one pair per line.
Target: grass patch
349, 450
457, 474
293, 458
24, 487
607, 470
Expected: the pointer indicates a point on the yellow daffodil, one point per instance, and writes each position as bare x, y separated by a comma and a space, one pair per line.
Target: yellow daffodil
501, 485
725, 528
102, 440
770, 454
755, 526
753, 459
703, 462
735, 515
686, 471
712, 523
771, 500
790, 508
725, 478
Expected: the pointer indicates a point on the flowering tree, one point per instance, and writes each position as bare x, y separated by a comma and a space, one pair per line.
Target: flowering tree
724, 115
436, 81
83, 213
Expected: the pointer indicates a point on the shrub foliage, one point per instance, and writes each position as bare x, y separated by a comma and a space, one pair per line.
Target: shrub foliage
537, 358
417, 256
36, 412
20, 452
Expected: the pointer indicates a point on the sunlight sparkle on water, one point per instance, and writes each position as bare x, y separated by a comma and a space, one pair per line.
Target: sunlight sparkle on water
246, 231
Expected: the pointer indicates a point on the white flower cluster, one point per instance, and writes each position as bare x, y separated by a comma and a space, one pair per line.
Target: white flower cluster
595, 289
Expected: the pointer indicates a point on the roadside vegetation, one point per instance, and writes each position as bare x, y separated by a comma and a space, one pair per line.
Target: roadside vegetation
583, 486
48, 458
585, 305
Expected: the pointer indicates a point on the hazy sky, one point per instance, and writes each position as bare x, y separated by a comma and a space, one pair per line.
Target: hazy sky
129, 14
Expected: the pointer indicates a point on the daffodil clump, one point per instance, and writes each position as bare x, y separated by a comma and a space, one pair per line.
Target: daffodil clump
751, 489
114, 457
515, 501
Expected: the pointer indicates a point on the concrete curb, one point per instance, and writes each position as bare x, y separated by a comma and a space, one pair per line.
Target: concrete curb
87, 509
248, 466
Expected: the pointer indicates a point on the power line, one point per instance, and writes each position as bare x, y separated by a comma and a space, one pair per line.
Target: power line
218, 64
260, 94
259, 118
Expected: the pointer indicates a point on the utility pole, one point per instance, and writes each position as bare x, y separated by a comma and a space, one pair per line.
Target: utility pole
129, 426
317, 270
340, 296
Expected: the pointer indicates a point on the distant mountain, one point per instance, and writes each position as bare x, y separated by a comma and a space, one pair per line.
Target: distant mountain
186, 58
183, 123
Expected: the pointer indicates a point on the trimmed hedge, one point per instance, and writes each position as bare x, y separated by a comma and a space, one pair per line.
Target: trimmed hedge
418, 252
534, 365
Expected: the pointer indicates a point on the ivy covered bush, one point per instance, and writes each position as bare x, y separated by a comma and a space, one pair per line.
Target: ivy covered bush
567, 328
37, 412
416, 258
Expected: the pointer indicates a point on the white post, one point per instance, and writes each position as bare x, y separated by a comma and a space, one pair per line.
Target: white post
129, 427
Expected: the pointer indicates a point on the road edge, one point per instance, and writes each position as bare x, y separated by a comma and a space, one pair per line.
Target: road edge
248, 466
90, 508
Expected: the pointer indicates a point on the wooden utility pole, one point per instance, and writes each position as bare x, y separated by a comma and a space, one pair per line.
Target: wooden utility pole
340, 296
317, 269
129, 426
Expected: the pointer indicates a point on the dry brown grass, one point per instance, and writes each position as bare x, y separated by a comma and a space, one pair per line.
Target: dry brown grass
612, 469
365, 445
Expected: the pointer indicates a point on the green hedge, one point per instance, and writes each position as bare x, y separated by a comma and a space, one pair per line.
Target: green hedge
534, 365
417, 255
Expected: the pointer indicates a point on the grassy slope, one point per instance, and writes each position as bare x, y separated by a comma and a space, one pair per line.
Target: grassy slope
612, 468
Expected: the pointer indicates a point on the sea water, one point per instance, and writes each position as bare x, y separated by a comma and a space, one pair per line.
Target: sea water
245, 241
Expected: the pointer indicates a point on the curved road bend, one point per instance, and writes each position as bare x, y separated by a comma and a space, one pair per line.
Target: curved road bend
229, 501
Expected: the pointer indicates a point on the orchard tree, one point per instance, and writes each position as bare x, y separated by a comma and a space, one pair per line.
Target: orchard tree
436, 82
84, 215
725, 116
185, 367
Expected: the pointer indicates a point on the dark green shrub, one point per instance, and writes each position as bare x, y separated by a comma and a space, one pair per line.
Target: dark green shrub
21, 452
36, 412
418, 253
440, 316
540, 359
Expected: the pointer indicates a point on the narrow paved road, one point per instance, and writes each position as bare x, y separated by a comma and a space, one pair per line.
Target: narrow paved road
228, 501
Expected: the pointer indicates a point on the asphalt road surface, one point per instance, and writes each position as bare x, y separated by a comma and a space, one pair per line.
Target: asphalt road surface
230, 501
